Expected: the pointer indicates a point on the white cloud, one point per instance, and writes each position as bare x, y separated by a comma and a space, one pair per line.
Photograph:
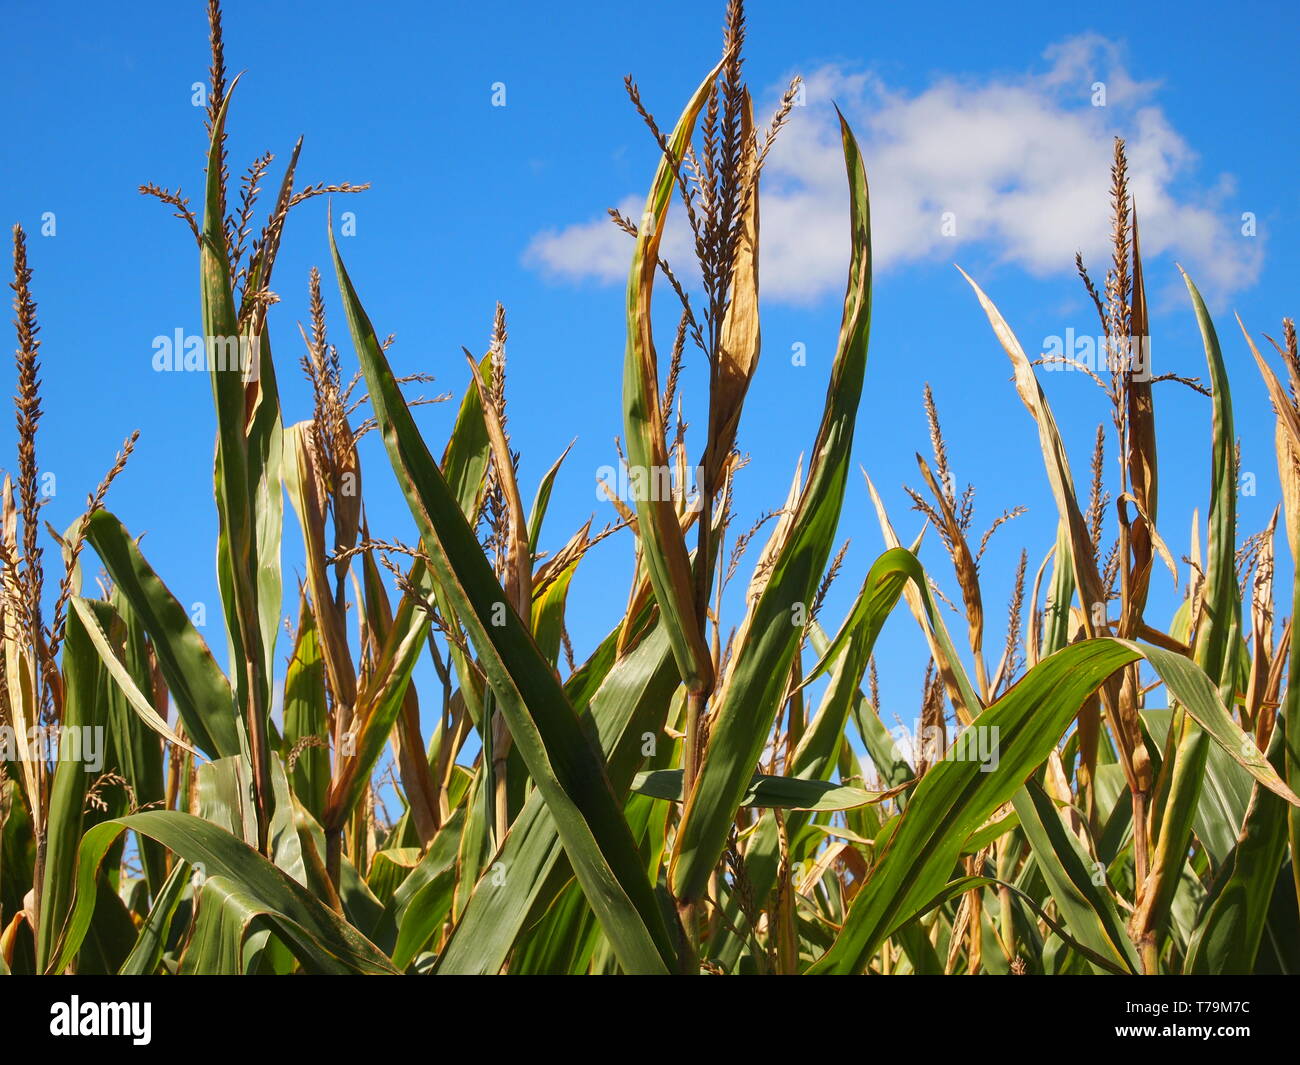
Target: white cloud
1021, 162
595, 249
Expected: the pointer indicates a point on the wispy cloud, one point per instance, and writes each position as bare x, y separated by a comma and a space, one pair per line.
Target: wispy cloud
1017, 165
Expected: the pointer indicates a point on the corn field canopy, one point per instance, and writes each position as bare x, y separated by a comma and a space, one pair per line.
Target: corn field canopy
411, 766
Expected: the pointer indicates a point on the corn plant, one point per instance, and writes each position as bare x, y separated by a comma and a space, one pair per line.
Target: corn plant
1117, 794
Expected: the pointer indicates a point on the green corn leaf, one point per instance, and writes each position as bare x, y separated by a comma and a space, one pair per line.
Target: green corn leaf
440, 857
783, 793
238, 481
1221, 629
1228, 937
1217, 636
321, 940
378, 704
665, 551
560, 759
1086, 907
219, 944
549, 604
752, 693
956, 796
92, 616
896, 572
200, 690
627, 702
83, 716
306, 724
543, 500
137, 745
147, 953
465, 459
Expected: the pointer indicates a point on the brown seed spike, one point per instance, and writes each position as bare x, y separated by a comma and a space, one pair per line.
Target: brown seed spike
27, 403
939, 447
1012, 656
217, 90
1120, 283
1097, 500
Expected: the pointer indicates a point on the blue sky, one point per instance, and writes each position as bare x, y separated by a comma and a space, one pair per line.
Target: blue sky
990, 118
